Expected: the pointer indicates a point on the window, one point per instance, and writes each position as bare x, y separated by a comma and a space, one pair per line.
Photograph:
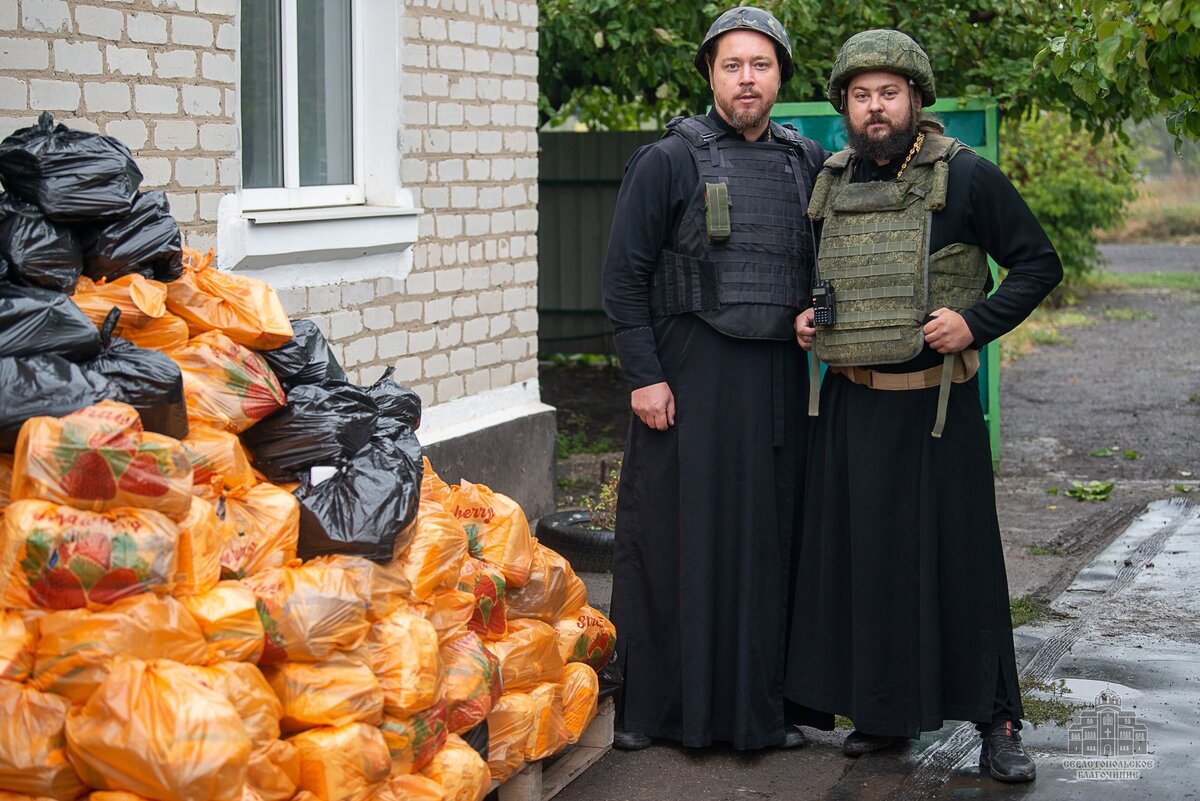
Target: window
300, 97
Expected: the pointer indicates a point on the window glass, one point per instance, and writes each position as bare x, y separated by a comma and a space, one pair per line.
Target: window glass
324, 92
262, 94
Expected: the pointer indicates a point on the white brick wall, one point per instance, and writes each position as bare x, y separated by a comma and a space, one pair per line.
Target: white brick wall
131, 69
161, 76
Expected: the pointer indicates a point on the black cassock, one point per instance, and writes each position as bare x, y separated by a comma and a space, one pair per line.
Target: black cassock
901, 615
704, 530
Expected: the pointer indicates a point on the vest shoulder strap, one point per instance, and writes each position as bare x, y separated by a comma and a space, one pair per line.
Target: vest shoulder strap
695, 130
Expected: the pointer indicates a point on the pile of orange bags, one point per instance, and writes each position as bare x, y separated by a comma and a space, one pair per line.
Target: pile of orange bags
160, 639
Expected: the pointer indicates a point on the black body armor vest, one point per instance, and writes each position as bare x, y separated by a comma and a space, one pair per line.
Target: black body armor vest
758, 247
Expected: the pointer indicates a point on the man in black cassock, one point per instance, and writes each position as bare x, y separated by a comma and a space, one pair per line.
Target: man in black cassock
901, 602
708, 265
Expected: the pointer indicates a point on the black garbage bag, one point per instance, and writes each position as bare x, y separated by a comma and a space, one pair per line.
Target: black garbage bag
39, 251
306, 359
146, 241
612, 678
44, 385
401, 435
365, 509
397, 402
477, 738
36, 321
320, 425
74, 176
148, 380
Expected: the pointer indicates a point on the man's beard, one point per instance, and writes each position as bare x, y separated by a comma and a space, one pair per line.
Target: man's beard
897, 142
743, 121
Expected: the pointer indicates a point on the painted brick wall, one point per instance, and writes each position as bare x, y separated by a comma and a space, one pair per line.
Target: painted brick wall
160, 75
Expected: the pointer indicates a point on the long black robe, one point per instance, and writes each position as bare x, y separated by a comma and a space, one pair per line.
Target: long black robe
901, 614
706, 509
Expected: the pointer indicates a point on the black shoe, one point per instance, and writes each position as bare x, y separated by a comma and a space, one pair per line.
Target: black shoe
1003, 756
858, 743
793, 737
630, 740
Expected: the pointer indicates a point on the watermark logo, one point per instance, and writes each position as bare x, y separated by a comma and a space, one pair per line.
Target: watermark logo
1106, 742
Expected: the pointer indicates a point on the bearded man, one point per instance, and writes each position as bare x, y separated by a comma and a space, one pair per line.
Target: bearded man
708, 265
901, 617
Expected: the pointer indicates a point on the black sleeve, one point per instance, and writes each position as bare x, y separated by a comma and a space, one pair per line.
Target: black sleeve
1010, 233
652, 198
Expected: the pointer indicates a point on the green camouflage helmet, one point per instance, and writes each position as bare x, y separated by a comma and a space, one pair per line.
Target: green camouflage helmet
881, 50
751, 19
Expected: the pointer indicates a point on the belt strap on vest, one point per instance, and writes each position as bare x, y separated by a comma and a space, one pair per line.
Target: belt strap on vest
954, 370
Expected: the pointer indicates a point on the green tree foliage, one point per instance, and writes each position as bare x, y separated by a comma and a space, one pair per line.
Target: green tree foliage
614, 64
1122, 59
1074, 187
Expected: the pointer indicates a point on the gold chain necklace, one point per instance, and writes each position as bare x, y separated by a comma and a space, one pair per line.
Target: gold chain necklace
915, 149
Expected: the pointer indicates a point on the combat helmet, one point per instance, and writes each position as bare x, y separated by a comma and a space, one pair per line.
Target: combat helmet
751, 19
886, 51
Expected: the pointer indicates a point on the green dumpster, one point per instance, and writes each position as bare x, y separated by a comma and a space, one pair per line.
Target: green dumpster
975, 122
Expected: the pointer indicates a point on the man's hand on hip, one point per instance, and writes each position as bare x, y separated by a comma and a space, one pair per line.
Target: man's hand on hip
805, 330
654, 405
948, 332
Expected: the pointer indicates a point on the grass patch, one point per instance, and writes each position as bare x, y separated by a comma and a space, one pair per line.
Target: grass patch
1027, 609
1045, 702
1152, 280
1043, 327
1164, 211
1127, 315
842, 722
568, 444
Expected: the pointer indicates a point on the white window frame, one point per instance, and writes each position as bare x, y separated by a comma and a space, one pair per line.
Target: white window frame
292, 195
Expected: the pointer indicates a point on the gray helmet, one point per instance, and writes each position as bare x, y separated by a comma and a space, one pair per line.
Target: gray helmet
751, 19
882, 50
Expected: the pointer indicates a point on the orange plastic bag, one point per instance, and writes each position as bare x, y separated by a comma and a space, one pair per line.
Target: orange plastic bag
6, 480
528, 654
587, 636
218, 460
264, 528
434, 558
449, 611
226, 385
140, 299
16, 646
384, 586
580, 691
486, 583
548, 734
403, 650
343, 762
274, 771
98, 459
144, 319
59, 557
244, 686
408, 787
77, 649
246, 309
432, 486
553, 589
33, 756
497, 530
472, 681
333, 692
202, 535
460, 770
308, 612
509, 723
413, 741
156, 729
228, 618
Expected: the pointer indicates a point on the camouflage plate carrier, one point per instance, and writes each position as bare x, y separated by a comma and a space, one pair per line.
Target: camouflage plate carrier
875, 253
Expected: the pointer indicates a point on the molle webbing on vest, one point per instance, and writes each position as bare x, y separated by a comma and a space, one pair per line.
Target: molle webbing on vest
875, 253
768, 254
